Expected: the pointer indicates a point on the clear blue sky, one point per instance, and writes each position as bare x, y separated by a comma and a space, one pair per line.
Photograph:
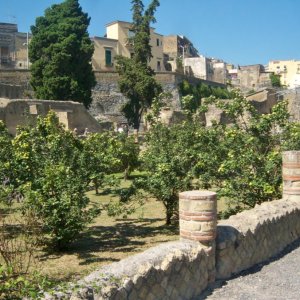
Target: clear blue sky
237, 31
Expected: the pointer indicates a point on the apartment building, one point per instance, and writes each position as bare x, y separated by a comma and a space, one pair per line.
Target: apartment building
116, 42
288, 70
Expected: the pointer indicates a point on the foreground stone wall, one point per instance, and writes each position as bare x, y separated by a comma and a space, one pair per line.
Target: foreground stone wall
182, 270
172, 270
255, 235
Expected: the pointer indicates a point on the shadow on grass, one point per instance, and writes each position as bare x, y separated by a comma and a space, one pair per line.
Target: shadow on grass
123, 237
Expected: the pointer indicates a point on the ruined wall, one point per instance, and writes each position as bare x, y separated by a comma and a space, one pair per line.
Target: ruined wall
11, 91
293, 97
256, 235
107, 99
22, 112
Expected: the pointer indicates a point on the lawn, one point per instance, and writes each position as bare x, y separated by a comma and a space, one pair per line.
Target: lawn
108, 239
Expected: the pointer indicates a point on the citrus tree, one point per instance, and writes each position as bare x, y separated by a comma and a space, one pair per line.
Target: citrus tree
53, 175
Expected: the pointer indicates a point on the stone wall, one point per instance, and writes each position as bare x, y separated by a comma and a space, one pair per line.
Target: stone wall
293, 97
107, 98
172, 270
72, 114
256, 235
183, 269
11, 91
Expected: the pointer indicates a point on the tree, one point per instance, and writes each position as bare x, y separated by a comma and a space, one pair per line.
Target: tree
101, 151
7, 174
275, 80
168, 159
61, 52
247, 157
137, 80
53, 176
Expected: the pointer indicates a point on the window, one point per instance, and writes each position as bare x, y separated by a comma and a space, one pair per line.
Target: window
4, 55
158, 66
157, 42
108, 60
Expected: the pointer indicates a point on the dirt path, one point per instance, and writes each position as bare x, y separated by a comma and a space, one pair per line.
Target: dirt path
277, 279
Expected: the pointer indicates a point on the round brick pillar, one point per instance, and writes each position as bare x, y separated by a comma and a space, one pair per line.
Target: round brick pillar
291, 174
198, 215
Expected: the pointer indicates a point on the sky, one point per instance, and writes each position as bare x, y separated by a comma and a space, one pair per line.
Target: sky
241, 32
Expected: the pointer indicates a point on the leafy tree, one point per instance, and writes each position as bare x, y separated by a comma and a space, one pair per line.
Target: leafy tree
53, 177
275, 80
249, 170
61, 52
128, 154
7, 171
168, 159
137, 80
101, 151
191, 95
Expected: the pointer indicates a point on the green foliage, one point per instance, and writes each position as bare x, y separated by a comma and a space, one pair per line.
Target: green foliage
242, 161
137, 80
7, 176
275, 80
128, 154
101, 151
191, 95
17, 287
247, 159
291, 137
108, 153
52, 174
168, 159
61, 52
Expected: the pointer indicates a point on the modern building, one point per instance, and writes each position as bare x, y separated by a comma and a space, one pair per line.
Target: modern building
288, 70
117, 42
13, 47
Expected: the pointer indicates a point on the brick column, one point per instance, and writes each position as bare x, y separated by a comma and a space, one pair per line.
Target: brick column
198, 216
291, 174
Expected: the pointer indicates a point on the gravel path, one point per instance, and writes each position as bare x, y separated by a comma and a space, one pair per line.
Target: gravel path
277, 279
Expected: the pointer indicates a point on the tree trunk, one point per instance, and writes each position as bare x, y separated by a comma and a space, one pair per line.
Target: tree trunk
126, 173
96, 186
136, 135
169, 214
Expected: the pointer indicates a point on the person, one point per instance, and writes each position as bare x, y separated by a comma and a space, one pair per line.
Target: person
125, 129
120, 129
86, 132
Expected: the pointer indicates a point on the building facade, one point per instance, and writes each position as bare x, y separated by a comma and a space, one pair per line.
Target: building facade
206, 68
13, 47
117, 42
249, 78
288, 70
176, 49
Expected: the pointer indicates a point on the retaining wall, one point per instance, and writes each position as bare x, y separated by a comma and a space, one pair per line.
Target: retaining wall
255, 235
182, 270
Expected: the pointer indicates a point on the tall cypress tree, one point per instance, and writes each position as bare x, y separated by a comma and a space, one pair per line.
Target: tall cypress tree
60, 52
137, 80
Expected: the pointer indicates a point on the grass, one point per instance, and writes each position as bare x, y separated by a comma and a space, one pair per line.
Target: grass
109, 239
